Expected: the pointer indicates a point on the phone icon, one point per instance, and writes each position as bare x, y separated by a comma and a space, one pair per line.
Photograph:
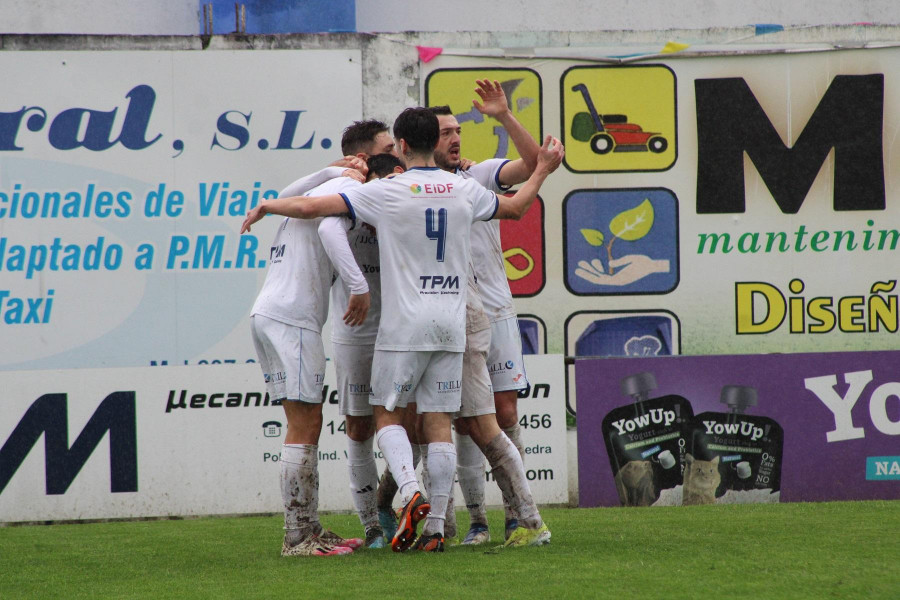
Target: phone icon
272, 429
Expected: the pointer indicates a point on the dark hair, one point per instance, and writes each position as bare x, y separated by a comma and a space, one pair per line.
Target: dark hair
419, 127
441, 111
383, 164
359, 136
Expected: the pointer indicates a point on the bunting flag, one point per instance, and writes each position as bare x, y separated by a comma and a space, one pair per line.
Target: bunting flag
427, 54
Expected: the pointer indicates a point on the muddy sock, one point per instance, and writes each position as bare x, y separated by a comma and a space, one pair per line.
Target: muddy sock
300, 490
509, 472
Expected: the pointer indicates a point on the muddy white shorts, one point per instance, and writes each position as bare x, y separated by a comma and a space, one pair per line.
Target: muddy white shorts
505, 362
353, 371
477, 395
292, 359
431, 379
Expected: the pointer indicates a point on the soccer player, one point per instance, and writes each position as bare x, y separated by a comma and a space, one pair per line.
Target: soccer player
353, 349
424, 220
505, 355
286, 325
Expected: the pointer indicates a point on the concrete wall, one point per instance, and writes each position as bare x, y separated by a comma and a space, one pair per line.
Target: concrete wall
391, 80
183, 17
581, 15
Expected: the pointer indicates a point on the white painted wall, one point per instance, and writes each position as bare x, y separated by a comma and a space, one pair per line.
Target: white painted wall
582, 15
181, 17
110, 17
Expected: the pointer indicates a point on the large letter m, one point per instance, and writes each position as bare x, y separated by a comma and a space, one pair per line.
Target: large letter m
730, 121
49, 416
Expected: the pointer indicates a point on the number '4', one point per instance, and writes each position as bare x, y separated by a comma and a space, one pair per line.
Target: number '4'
438, 233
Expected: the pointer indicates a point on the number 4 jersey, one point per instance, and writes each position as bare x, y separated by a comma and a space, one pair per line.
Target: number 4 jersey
424, 217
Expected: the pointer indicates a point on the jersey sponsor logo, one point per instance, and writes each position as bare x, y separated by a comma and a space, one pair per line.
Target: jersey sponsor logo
431, 188
402, 387
276, 253
360, 388
273, 377
439, 281
501, 366
365, 238
444, 387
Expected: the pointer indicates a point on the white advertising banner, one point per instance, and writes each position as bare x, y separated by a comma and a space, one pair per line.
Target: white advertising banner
124, 178
200, 440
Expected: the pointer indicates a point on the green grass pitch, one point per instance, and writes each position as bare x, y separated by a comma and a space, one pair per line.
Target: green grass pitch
791, 550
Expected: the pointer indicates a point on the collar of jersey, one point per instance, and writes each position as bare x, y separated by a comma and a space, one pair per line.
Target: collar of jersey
424, 169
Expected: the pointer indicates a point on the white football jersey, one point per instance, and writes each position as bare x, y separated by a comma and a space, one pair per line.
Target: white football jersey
364, 244
299, 274
487, 253
424, 218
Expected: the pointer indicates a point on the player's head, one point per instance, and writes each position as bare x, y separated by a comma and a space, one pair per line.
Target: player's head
382, 165
367, 138
416, 130
446, 153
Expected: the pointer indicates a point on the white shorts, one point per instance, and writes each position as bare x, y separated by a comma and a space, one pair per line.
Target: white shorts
477, 395
353, 371
292, 359
504, 359
431, 379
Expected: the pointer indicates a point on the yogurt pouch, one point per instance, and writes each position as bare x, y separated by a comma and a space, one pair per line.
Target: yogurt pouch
646, 442
734, 458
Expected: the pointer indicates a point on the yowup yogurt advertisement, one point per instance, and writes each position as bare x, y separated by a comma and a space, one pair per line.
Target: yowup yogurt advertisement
689, 430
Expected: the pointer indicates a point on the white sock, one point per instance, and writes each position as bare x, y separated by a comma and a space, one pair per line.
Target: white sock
426, 476
509, 472
419, 450
514, 434
300, 489
470, 470
363, 480
397, 452
442, 469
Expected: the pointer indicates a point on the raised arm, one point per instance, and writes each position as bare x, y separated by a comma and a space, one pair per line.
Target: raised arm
297, 207
496, 106
549, 159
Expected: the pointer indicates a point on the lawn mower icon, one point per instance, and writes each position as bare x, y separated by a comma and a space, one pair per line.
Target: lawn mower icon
614, 133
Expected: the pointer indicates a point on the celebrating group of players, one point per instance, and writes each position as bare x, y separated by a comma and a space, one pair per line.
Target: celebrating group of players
426, 306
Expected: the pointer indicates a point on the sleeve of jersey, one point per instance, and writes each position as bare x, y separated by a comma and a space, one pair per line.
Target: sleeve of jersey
304, 184
333, 233
487, 173
484, 205
362, 202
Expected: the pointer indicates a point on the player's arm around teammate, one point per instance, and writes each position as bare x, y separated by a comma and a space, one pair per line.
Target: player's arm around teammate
310, 207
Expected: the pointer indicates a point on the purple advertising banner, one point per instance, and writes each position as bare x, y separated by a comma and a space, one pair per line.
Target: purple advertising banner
836, 414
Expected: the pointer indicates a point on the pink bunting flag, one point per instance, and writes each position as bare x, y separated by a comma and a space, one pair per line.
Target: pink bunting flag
427, 54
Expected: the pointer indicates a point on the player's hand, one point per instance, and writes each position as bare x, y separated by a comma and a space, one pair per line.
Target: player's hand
465, 163
493, 96
253, 216
354, 174
357, 309
352, 162
551, 154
